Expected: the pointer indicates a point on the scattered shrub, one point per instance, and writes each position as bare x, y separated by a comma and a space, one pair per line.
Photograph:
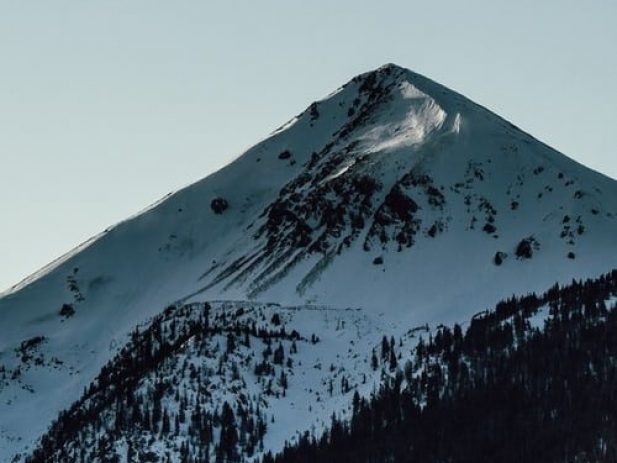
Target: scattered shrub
67, 310
489, 228
525, 248
219, 205
499, 257
365, 185
314, 112
400, 204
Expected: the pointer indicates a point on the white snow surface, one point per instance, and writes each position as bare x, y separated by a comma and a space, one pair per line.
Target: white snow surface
180, 250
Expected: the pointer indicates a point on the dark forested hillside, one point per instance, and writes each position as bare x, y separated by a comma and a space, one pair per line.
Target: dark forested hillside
533, 380
148, 389
500, 390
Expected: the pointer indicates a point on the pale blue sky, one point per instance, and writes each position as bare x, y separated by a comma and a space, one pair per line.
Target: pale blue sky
105, 106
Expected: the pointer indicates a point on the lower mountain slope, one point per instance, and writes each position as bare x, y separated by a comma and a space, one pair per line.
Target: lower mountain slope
196, 372
236, 381
534, 380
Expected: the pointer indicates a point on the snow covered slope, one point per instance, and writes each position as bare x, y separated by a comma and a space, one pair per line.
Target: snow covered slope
393, 194
264, 360
230, 381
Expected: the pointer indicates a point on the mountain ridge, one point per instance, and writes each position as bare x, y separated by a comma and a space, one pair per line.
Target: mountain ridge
388, 67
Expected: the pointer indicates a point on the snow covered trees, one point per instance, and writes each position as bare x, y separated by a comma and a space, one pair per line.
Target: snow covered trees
546, 397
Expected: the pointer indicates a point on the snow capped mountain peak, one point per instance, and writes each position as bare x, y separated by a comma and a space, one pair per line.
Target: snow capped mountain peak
393, 195
378, 170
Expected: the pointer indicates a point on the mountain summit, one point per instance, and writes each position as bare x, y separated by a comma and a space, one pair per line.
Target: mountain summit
393, 195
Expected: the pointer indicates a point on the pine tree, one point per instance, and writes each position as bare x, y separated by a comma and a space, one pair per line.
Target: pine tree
393, 362
374, 361
228, 437
385, 348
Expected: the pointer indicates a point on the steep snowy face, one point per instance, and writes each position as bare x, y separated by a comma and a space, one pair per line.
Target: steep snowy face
377, 196
415, 189
345, 191
393, 194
